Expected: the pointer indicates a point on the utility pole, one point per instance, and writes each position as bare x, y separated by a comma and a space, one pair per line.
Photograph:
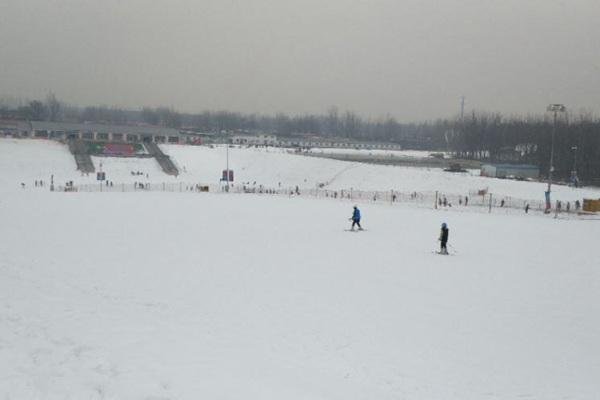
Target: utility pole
462, 109
554, 108
574, 177
227, 170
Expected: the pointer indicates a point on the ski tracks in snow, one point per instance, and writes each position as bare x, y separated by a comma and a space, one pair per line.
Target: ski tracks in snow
45, 364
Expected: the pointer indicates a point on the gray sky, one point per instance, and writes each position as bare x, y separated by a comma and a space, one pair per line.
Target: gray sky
412, 59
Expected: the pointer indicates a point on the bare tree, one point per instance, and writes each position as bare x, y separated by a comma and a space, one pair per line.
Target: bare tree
53, 107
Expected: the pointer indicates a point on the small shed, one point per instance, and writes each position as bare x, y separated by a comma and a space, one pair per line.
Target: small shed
523, 171
591, 205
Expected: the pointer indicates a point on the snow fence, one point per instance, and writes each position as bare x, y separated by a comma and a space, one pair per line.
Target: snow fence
426, 199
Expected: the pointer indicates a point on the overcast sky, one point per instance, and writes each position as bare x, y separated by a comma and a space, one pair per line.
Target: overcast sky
412, 59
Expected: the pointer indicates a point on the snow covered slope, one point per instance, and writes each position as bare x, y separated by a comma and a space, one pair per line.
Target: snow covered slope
150, 295
27, 160
271, 166
180, 296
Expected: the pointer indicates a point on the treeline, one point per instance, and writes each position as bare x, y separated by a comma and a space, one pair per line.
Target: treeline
492, 137
49, 109
331, 124
479, 135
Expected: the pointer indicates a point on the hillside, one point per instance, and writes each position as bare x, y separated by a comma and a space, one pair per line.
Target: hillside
150, 295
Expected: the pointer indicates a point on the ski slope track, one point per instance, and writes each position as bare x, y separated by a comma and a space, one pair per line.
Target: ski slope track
150, 295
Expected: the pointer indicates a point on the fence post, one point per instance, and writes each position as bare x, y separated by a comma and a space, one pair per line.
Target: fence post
490, 207
435, 204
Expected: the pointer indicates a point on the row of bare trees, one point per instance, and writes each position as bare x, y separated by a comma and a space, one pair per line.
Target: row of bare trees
49, 109
492, 137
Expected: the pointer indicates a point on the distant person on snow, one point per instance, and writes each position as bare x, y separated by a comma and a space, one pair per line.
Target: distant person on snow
443, 239
356, 219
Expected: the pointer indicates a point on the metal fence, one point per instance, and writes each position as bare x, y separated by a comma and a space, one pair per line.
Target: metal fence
425, 199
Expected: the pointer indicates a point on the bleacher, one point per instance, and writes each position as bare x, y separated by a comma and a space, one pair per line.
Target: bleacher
82, 157
116, 149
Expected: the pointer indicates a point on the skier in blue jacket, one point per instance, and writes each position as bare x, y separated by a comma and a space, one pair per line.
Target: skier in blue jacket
356, 219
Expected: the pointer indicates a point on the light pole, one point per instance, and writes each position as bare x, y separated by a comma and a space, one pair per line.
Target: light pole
554, 108
227, 166
574, 172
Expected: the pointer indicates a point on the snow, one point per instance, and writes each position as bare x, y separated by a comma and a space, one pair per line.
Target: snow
272, 165
150, 295
155, 295
29, 160
120, 169
266, 166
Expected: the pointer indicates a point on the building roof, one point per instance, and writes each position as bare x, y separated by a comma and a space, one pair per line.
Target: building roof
194, 133
512, 166
12, 124
104, 128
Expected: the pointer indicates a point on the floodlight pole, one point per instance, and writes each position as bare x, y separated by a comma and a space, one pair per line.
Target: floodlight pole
574, 172
555, 108
227, 166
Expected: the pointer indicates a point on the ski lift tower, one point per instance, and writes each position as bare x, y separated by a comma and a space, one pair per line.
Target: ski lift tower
555, 109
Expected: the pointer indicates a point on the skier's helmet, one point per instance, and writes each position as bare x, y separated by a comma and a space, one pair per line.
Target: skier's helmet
355, 206
444, 225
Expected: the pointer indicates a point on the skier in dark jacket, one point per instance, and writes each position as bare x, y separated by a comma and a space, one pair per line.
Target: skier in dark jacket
443, 239
356, 219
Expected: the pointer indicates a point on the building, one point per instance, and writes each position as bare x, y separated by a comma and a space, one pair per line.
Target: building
521, 171
334, 143
101, 132
197, 138
255, 140
591, 205
307, 142
14, 128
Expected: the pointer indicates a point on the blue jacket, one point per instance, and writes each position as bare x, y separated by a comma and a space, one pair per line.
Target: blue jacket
356, 214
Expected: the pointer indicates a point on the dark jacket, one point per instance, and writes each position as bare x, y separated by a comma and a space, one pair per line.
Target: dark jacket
444, 235
356, 215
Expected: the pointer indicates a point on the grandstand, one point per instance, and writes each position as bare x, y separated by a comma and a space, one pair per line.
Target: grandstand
99, 132
117, 149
